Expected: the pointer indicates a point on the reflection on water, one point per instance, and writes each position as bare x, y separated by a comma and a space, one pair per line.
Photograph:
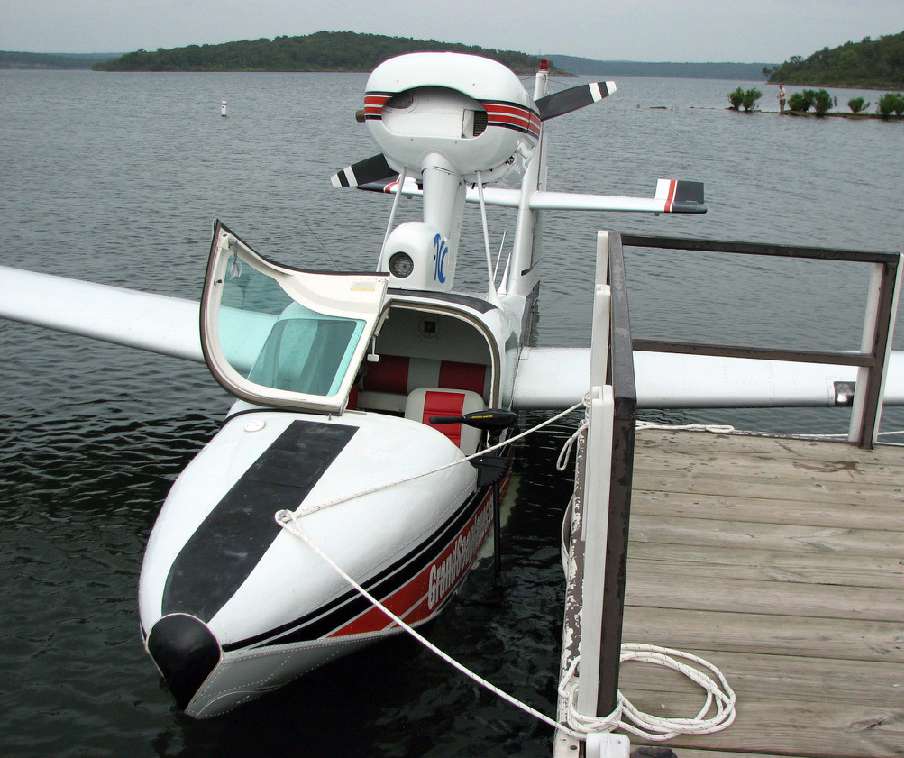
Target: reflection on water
117, 178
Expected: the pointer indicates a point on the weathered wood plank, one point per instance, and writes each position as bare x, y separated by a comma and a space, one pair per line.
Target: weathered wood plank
767, 565
757, 676
777, 447
850, 474
790, 537
782, 561
782, 727
680, 588
844, 639
766, 511
649, 477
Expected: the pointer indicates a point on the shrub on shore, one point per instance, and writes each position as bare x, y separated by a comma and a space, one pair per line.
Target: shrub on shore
801, 102
750, 98
823, 102
740, 97
858, 104
891, 102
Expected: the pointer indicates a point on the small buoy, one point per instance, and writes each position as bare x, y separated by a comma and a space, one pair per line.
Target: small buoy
223, 109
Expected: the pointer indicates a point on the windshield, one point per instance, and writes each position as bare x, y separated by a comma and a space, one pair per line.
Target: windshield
282, 336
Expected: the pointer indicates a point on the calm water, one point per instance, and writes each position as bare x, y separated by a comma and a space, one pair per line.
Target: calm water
117, 178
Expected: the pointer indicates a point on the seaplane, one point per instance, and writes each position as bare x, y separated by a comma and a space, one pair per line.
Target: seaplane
363, 400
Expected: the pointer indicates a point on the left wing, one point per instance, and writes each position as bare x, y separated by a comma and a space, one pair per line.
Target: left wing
159, 323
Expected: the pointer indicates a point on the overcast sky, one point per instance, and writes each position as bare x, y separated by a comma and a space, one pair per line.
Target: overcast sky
677, 30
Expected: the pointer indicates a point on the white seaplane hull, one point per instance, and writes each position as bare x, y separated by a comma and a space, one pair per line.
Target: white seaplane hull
233, 606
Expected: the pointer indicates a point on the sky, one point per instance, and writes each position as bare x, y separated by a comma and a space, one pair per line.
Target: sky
657, 30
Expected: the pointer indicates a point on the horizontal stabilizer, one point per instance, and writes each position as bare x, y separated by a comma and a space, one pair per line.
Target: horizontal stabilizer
573, 98
672, 196
674, 380
680, 196
371, 169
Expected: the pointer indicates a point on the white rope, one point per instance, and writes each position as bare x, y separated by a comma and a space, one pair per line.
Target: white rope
711, 428
729, 429
626, 715
289, 522
565, 453
301, 512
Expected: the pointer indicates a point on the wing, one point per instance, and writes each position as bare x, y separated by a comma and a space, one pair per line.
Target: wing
673, 380
161, 324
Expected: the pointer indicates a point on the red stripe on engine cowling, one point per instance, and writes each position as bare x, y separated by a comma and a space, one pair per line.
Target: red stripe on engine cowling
499, 120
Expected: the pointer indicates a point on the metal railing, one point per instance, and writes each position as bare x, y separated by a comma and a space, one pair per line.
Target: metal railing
872, 359
599, 513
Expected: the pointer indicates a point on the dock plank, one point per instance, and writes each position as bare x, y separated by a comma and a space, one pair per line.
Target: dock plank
812, 568
744, 534
781, 561
682, 588
777, 447
766, 510
843, 639
765, 468
649, 475
797, 727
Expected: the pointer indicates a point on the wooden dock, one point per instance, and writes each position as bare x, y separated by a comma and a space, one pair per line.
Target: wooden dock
782, 562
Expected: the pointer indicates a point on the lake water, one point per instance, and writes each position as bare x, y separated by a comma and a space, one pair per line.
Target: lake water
117, 178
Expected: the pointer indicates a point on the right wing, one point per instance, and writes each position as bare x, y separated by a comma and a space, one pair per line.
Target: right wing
554, 377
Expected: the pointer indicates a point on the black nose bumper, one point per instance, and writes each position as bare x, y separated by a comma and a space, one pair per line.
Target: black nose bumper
185, 651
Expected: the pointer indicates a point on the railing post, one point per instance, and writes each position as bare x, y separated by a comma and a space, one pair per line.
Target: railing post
878, 330
595, 534
621, 470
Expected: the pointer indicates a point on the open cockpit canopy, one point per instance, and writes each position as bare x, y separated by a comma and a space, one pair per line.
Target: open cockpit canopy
279, 336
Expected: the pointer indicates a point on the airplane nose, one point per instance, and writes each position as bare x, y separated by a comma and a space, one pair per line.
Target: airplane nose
185, 651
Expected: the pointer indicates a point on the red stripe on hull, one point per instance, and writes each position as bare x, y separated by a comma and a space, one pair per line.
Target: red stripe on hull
423, 595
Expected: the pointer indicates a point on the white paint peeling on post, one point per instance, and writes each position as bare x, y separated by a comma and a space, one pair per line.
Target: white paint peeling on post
595, 529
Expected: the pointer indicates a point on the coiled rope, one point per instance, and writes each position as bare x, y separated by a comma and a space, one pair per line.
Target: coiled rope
626, 715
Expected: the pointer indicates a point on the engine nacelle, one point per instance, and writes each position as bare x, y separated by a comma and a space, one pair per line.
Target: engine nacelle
472, 111
417, 257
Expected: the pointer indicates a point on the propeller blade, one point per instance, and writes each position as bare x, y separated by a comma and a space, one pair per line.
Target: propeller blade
364, 172
573, 98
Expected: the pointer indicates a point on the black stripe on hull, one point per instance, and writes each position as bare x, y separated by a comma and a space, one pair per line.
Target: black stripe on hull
230, 542
343, 609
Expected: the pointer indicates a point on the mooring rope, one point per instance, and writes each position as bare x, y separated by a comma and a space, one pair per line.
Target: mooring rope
626, 715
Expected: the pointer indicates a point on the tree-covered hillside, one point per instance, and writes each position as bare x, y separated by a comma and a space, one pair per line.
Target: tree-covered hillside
17, 59
872, 63
321, 51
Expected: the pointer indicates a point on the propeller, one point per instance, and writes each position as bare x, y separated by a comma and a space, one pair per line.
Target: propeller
573, 98
368, 171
